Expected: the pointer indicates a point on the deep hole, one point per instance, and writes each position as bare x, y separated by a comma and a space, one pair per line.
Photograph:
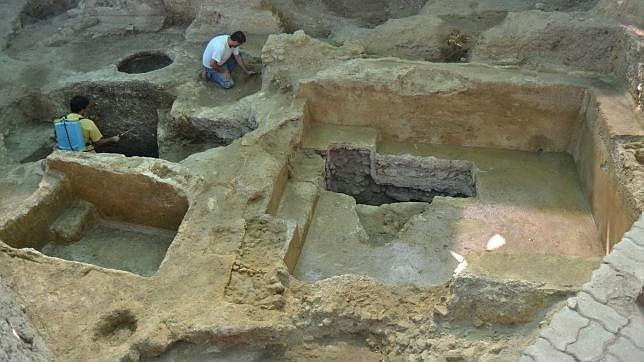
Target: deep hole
144, 62
375, 179
130, 109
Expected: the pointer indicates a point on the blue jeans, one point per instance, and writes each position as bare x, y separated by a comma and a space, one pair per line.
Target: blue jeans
218, 78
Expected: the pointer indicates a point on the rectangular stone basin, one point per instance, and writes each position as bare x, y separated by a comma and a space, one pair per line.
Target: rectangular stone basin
549, 172
117, 245
89, 211
532, 201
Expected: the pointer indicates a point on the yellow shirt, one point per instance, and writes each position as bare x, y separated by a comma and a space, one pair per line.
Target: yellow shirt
91, 133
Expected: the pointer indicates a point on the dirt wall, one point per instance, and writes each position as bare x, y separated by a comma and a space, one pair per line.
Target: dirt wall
29, 225
614, 208
132, 198
483, 114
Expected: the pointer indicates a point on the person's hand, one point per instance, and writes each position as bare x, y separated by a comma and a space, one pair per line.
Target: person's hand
116, 138
226, 74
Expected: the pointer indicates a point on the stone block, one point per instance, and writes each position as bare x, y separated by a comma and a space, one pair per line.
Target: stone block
611, 358
635, 331
630, 248
608, 317
590, 343
626, 351
614, 288
543, 351
636, 233
563, 328
69, 227
451, 177
623, 263
602, 284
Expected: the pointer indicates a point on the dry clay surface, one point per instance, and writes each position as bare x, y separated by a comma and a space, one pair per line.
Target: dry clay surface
230, 184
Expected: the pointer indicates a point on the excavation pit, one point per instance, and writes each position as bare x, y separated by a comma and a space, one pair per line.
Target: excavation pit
551, 164
113, 220
375, 179
117, 245
529, 194
144, 62
424, 243
128, 109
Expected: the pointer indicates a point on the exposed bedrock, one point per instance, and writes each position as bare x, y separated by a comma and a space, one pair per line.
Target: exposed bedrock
417, 37
555, 39
373, 12
19, 341
218, 16
322, 17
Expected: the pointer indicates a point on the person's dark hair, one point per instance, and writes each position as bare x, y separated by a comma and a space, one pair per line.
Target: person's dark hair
239, 37
78, 103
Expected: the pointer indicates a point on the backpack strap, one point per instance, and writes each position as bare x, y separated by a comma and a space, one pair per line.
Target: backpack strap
67, 133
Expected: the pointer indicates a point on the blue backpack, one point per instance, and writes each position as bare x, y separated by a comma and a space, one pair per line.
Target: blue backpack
69, 134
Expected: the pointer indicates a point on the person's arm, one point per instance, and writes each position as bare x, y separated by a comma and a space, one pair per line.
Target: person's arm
220, 68
242, 65
107, 140
97, 137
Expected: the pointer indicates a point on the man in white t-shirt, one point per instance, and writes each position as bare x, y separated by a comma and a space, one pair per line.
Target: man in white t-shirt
221, 56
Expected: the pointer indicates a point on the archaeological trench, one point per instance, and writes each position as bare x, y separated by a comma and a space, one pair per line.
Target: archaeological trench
406, 180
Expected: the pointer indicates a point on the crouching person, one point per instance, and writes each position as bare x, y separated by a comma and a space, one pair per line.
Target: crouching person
74, 132
221, 56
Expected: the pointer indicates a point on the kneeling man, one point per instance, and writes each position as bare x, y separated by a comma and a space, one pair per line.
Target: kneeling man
218, 62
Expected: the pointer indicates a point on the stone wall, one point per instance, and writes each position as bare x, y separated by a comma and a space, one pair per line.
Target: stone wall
614, 191
605, 321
